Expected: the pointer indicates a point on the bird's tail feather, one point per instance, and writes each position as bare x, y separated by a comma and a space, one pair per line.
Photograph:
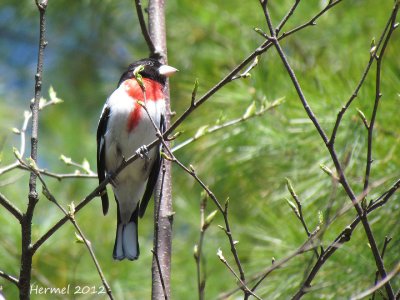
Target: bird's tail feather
126, 240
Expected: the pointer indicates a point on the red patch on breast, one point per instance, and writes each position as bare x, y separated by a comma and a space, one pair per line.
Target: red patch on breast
154, 92
134, 116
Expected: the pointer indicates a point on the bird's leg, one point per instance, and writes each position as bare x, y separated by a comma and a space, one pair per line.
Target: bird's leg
143, 152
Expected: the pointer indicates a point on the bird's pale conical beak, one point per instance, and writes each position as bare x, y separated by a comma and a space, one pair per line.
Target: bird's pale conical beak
167, 70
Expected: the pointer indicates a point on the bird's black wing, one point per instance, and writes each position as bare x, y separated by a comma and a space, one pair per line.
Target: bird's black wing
101, 155
151, 182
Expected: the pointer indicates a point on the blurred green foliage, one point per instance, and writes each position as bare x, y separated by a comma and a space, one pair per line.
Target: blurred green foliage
90, 43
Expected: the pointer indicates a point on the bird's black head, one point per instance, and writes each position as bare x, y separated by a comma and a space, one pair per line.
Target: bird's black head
152, 69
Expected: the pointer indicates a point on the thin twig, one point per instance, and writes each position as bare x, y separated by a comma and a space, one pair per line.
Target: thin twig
224, 212
242, 283
298, 210
88, 245
378, 94
287, 17
71, 217
143, 27
385, 244
380, 284
359, 85
312, 21
10, 278
10, 207
83, 166
306, 246
246, 72
230, 123
61, 176
381, 200
198, 251
22, 133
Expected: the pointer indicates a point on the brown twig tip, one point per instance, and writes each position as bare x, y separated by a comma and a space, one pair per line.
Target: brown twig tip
194, 93
208, 220
42, 5
363, 118
261, 32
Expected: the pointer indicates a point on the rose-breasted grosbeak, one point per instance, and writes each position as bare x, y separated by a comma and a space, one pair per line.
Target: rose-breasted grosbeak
125, 128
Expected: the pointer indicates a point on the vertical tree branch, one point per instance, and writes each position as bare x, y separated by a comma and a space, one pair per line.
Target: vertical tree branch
385, 244
163, 226
379, 57
143, 27
26, 221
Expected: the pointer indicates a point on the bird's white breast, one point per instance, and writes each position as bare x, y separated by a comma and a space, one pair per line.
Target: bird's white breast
120, 142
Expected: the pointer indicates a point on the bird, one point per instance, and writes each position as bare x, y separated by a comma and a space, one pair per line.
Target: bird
130, 119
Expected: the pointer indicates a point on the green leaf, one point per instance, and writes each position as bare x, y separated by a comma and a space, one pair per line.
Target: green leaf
86, 166
141, 103
42, 102
209, 219
138, 76
53, 96
17, 153
15, 130
65, 159
290, 188
194, 92
32, 163
165, 156
326, 169
71, 209
250, 111
293, 207
220, 255
277, 102
196, 251
204, 197
78, 238
201, 131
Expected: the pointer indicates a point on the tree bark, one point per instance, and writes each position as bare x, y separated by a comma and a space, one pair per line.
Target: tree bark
33, 197
161, 267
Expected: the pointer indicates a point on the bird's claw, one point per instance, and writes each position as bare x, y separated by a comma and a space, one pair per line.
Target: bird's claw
143, 152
